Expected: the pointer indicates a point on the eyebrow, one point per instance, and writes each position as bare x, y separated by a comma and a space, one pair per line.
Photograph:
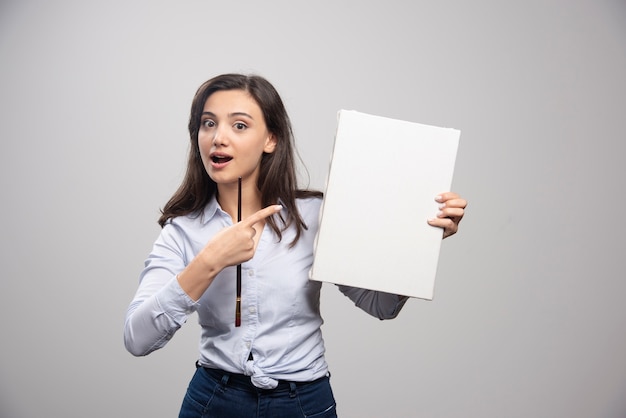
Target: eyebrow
230, 114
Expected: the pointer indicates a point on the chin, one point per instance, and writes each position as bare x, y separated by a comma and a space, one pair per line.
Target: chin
221, 178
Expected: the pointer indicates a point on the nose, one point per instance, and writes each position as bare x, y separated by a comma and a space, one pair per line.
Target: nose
219, 138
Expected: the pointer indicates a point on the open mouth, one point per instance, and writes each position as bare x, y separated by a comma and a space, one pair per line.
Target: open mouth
220, 159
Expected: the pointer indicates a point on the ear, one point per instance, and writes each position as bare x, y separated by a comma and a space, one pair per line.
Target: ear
270, 144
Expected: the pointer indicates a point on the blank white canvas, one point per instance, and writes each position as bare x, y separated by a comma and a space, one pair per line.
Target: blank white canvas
384, 176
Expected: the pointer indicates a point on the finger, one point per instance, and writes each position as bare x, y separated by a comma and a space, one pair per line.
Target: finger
451, 199
443, 197
440, 222
454, 213
261, 214
454, 203
448, 225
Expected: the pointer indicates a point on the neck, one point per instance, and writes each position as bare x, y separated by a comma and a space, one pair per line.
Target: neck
228, 196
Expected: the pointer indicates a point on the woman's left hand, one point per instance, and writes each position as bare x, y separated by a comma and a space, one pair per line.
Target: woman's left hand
451, 211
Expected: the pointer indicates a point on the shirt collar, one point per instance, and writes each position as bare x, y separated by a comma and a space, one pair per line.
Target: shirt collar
210, 210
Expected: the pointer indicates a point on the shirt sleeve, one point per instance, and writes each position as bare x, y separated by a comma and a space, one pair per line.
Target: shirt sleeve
160, 306
378, 304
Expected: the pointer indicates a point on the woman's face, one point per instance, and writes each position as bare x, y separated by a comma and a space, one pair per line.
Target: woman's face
233, 137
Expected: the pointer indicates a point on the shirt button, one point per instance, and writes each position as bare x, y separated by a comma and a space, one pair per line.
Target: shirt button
252, 309
250, 273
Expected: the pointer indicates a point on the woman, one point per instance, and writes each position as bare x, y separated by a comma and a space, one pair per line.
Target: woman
273, 364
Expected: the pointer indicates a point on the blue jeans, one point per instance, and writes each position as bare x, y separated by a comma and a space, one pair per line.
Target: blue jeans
215, 393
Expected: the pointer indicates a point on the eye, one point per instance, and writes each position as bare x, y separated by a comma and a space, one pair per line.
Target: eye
240, 126
208, 123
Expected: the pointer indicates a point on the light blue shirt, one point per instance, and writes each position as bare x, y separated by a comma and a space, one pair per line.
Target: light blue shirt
280, 306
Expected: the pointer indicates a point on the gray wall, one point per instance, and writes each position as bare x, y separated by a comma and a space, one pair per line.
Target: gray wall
528, 318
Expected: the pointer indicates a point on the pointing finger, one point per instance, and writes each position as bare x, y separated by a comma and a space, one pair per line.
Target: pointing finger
261, 214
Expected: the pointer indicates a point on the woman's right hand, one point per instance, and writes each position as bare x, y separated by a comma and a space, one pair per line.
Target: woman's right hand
231, 246
237, 244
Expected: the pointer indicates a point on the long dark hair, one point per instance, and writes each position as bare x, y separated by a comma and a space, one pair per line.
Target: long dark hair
277, 179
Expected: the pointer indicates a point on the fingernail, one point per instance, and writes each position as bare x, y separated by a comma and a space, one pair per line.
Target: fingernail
439, 198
